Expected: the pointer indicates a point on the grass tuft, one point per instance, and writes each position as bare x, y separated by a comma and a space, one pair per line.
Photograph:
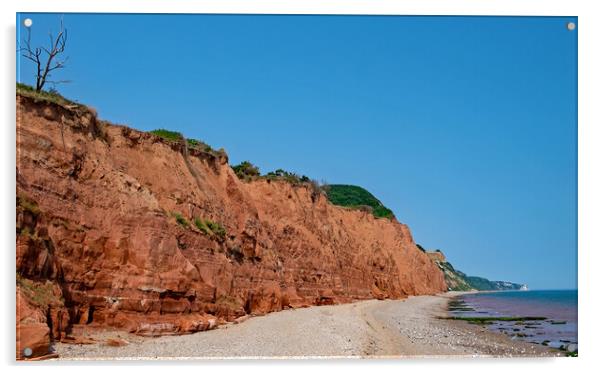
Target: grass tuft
210, 228
181, 220
48, 96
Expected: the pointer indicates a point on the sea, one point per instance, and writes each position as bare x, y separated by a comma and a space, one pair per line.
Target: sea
559, 307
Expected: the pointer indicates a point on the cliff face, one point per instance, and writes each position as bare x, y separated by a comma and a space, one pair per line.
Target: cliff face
458, 281
106, 225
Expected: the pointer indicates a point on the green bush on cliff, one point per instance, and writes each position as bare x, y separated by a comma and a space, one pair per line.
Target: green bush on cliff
168, 135
204, 147
197, 144
357, 197
287, 176
246, 171
181, 220
200, 224
210, 228
217, 229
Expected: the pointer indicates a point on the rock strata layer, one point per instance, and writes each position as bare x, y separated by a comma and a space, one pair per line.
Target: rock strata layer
119, 228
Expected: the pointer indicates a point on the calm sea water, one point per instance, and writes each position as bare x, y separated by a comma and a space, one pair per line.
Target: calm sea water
559, 307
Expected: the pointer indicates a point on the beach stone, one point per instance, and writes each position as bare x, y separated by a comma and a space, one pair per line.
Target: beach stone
117, 342
571, 347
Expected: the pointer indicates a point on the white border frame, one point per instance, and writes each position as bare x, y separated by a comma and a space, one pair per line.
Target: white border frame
589, 179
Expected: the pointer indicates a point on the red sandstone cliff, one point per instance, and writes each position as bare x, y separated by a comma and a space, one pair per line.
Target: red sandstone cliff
98, 245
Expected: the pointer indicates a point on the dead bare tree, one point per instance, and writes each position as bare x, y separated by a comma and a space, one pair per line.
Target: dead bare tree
46, 59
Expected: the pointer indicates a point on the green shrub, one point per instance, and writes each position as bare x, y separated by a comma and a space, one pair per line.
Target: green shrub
200, 224
168, 135
181, 220
288, 176
197, 144
210, 228
204, 147
217, 229
356, 197
246, 170
193, 143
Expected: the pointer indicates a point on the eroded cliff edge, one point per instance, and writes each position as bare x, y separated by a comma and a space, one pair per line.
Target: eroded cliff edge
99, 244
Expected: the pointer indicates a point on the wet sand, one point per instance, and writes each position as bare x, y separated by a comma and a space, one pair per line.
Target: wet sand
368, 329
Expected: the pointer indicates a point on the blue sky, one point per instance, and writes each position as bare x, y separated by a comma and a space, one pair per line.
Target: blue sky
464, 126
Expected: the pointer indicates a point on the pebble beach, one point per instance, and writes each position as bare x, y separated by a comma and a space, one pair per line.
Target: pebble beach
412, 327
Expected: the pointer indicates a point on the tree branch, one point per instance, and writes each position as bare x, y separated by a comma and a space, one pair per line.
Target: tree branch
57, 46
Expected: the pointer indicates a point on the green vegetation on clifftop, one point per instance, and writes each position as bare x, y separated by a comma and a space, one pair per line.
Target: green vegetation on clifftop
191, 144
168, 135
357, 197
246, 171
51, 95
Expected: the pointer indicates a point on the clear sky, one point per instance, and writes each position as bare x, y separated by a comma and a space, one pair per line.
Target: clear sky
465, 126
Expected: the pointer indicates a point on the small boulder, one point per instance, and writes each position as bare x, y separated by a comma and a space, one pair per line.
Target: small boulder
242, 319
117, 342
